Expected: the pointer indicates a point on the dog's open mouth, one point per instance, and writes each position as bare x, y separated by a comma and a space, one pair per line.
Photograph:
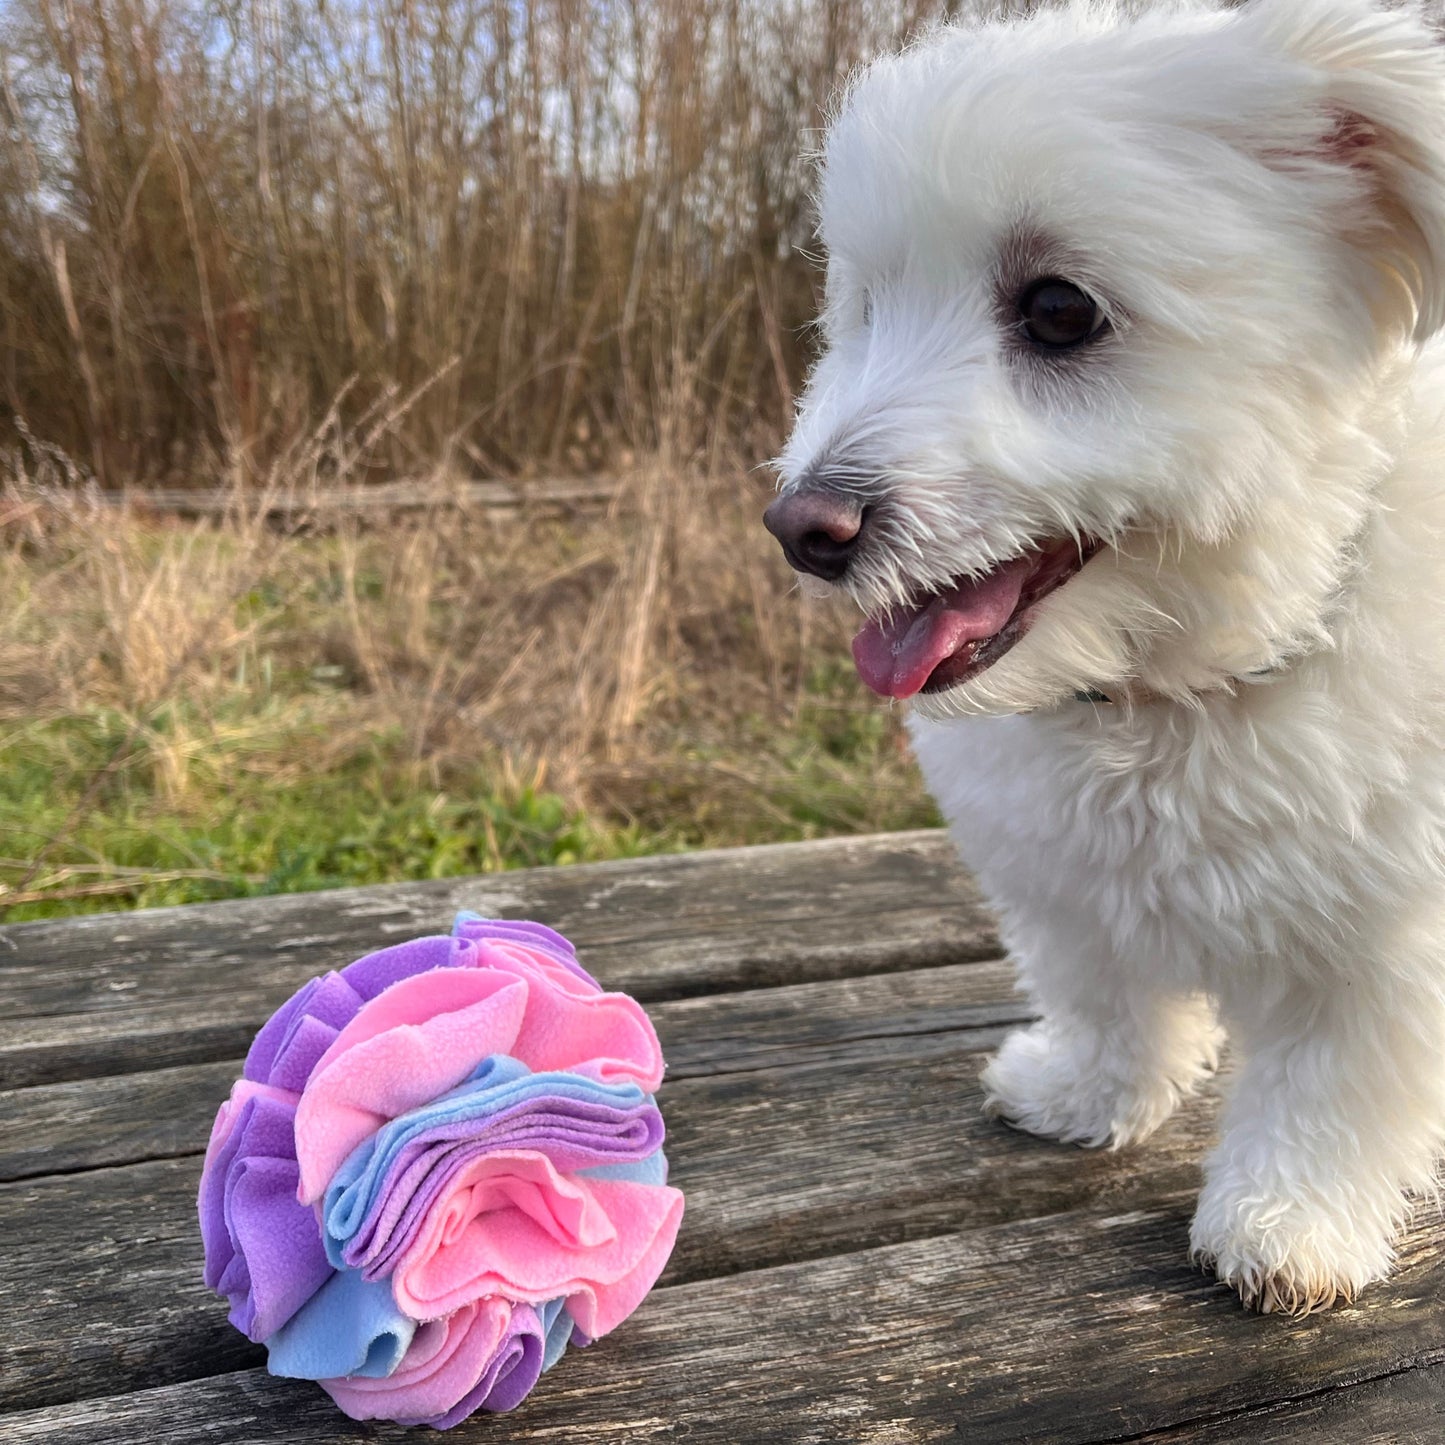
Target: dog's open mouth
945, 637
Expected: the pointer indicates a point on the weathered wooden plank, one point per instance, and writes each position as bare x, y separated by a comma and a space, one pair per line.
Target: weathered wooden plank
1072, 1330
112, 992
116, 1120
1402, 1409
165, 1113
159, 1035
778, 1164
1406, 1408
722, 1033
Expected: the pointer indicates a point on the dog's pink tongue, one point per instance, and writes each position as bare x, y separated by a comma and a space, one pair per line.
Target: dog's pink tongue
897, 654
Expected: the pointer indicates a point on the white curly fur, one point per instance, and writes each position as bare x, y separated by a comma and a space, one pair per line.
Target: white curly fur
1256, 198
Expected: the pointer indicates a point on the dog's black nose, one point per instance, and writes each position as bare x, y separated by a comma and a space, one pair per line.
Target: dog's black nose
819, 530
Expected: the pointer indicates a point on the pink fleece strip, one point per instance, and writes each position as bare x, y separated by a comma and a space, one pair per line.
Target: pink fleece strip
442, 1364
427, 1033
510, 1224
578, 1027
420, 1038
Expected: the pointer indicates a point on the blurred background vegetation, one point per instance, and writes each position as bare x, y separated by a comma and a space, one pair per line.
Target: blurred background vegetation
271, 248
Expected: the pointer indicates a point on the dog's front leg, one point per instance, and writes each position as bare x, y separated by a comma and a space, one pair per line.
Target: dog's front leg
1117, 1047
1336, 1114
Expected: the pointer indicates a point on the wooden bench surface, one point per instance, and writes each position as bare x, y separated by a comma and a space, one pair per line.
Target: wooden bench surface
865, 1258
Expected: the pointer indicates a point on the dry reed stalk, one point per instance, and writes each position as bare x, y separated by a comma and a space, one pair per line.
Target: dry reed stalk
646, 663
148, 615
554, 217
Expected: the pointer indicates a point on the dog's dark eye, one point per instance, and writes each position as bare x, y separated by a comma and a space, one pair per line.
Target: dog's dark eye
1057, 313
867, 308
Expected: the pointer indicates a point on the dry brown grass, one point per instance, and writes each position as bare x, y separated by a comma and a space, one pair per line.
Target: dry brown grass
544, 635
649, 667
286, 245
565, 215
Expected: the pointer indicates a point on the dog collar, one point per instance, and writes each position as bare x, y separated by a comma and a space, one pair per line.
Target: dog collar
1093, 695
1349, 552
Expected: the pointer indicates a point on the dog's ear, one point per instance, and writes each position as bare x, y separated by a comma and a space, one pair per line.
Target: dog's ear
1374, 82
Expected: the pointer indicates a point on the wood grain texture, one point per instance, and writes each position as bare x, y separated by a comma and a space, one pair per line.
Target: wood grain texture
163, 1113
1071, 1330
777, 1165
110, 993
1401, 1409
865, 1259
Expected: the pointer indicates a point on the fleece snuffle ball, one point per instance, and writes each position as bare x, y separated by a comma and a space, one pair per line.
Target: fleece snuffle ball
440, 1167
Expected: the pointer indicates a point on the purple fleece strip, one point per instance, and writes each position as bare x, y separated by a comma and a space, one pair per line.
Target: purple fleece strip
294, 1038
263, 1250
301, 1030
473, 928
379, 1197
509, 1376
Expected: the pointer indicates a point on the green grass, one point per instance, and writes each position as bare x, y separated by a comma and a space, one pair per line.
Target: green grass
255, 814
192, 711
239, 832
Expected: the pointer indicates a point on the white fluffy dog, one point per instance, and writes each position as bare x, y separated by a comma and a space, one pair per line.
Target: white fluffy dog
1128, 440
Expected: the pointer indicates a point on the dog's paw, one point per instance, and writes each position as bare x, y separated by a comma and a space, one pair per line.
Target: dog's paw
1078, 1087
1285, 1256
